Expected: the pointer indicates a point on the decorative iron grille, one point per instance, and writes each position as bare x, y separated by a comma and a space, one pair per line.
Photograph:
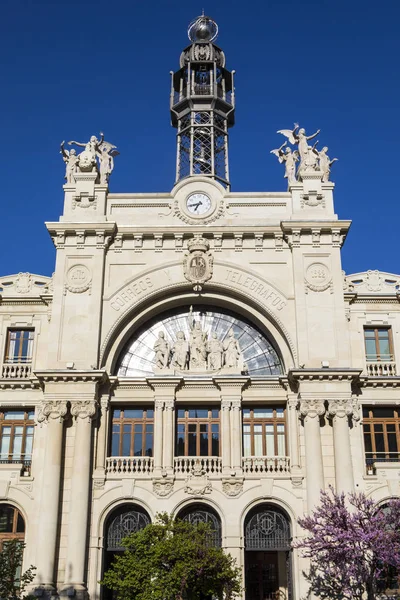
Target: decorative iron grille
123, 525
267, 530
205, 516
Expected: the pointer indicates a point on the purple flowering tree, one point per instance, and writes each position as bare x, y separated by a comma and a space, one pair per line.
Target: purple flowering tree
353, 546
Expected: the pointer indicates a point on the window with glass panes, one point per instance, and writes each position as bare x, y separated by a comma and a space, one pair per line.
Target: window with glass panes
378, 343
381, 433
264, 431
16, 435
132, 432
19, 346
198, 432
12, 524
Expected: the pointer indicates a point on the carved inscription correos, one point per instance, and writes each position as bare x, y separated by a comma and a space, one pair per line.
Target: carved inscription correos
134, 290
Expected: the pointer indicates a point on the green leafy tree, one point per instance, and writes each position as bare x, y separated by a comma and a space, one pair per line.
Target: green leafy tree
12, 582
173, 560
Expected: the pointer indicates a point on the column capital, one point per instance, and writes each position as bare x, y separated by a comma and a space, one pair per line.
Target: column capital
105, 403
169, 404
344, 407
236, 404
52, 409
225, 404
83, 409
159, 404
292, 401
312, 408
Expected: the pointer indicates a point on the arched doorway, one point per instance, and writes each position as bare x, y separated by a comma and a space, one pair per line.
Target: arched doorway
202, 513
267, 537
122, 521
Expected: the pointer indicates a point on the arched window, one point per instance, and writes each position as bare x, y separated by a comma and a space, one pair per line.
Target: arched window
201, 513
267, 528
260, 356
124, 521
12, 525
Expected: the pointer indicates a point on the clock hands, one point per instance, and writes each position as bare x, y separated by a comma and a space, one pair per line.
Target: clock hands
195, 206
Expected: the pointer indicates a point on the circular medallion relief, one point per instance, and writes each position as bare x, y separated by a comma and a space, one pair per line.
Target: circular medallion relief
318, 277
78, 279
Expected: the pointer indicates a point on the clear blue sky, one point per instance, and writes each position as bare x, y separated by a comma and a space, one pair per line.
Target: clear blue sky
71, 69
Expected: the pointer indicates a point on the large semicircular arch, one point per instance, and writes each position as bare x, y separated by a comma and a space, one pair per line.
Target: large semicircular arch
178, 295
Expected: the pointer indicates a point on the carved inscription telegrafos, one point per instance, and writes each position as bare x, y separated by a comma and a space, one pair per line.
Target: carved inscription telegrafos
254, 285
318, 277
78, 280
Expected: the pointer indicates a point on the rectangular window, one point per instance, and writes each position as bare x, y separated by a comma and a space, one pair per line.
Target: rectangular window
381, 434
197, 432
264, 431
132, 432
19, 346
378, 343
16, 435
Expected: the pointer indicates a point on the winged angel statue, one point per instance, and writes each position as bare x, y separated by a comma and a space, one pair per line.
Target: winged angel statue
310, 158
97, 156
289, 158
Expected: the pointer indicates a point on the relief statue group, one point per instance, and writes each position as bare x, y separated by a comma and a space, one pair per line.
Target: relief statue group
309, 157
199, 353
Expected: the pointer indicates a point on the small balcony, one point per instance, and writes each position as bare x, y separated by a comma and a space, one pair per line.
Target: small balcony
381, 368
378, 460
264, 465
22, 463
120, 466
16, 370
212, 465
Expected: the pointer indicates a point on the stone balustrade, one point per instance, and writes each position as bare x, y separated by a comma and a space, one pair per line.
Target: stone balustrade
209, 464
381, 368
258, 465
16, 371
127, 465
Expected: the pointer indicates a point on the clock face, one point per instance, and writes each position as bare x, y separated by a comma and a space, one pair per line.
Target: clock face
198, 203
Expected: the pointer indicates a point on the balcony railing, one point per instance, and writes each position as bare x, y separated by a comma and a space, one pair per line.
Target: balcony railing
16, 371
381, 368
120, 465
257, 465
18, 460
209, 464
374, 458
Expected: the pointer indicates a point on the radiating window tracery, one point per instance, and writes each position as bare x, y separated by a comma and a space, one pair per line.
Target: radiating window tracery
260, 357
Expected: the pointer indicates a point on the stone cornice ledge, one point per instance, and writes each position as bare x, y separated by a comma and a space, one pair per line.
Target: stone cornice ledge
381, 382
71, 375
327, 374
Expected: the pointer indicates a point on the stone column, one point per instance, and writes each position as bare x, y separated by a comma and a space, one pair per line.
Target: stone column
236, 425
164, 423
102, 436
340, 410
169, 435
158, 435
226, 436
231, 395
311, 410
83, 411
292, 406
52, 413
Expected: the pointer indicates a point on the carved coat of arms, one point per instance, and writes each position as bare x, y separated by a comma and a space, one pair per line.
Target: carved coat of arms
198, 262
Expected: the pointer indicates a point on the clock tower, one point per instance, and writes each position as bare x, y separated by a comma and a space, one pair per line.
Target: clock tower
202, 109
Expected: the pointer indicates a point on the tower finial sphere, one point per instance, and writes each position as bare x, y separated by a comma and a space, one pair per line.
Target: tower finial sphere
202, 29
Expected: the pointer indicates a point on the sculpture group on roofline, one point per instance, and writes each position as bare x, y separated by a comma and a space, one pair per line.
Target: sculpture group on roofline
97, 157
199, 353
309, 157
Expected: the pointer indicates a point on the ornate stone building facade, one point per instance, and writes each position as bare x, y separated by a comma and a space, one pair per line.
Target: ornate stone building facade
199, 352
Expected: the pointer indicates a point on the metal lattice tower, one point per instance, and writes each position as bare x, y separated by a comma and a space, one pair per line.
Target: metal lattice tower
202, 105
